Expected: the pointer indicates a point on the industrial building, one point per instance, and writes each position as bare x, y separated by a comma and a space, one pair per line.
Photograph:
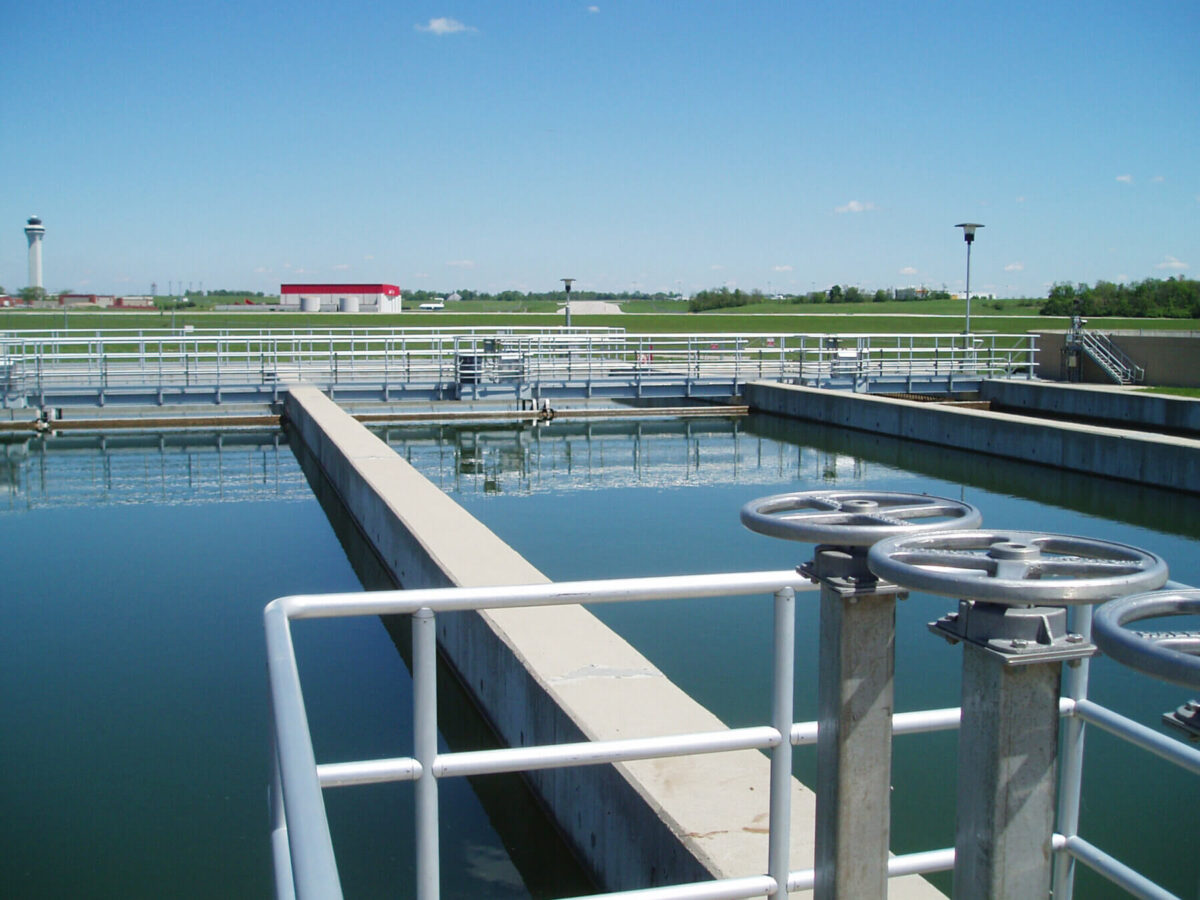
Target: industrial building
377, 298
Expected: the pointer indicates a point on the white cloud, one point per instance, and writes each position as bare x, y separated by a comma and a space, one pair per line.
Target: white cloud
443, 25
908, 270
1125, 179
261, 270
368, 257
1157, 179
783, 268
1170, 262
1021, 199
593, 9
421, 275
461, 264
855, 206
716, 267
1015, 267
341, 267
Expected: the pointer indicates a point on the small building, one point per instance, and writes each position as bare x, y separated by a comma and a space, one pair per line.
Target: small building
374, 298
100, 301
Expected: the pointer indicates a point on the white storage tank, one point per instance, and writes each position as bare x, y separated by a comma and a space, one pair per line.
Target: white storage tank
310, 304
348, 304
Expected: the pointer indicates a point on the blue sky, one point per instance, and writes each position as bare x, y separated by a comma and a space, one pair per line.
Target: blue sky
631, 145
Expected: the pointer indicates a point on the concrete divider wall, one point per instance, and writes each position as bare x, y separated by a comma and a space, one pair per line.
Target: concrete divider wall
557, 675
1082, 401
1134, 456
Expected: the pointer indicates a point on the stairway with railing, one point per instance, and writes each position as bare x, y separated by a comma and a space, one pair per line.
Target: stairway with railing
1101, 350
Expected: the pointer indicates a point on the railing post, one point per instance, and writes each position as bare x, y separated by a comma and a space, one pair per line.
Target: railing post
1075, 686
778, 862
425, 752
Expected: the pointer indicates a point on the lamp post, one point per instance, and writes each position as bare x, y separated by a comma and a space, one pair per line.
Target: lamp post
969, 236
567, 282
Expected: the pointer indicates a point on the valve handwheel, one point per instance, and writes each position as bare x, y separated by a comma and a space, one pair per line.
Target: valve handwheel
1016, 567
1172, 656
854, 518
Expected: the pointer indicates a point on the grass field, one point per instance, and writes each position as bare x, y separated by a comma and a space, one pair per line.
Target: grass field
927, 317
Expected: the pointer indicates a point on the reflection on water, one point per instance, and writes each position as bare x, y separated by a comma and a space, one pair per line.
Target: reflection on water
134, 717
563, 457
88, 469
670, 506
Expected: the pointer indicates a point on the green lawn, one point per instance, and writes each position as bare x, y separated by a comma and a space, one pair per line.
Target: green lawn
1173, 391
929, 316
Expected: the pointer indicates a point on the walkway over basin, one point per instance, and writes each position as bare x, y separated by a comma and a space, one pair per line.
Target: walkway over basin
58, 369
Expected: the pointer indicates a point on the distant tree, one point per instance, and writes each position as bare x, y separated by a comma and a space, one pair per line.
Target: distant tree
853, 295
882, 296
835, 294
32, 294
1174, 298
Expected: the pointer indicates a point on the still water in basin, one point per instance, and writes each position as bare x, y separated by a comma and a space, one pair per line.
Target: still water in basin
134, 716
653, 498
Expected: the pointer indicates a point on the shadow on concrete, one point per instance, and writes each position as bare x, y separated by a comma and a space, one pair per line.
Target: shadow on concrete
535, 846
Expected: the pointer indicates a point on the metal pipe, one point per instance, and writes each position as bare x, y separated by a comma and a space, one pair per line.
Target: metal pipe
424, 638
1070, 785
725, 889
311, 848
779, 839
1139, 735
620, 590
585, 753
1115, 871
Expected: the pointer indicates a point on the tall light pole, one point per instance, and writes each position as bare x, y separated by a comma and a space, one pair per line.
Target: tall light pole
969, 236
568, 282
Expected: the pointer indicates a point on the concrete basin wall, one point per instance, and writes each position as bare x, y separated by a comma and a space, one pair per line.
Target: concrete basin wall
1160, 460
557, 675
1086, 402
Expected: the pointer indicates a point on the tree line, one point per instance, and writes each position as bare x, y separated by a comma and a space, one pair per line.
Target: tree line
722, 297
1175, 298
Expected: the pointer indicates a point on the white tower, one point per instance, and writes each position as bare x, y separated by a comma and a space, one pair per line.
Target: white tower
34, 232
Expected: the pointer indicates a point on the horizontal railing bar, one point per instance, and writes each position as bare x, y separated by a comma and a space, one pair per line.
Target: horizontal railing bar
370, 771
1138, 734
382, 603
725, 889
584, 753
898, 866
1111, 868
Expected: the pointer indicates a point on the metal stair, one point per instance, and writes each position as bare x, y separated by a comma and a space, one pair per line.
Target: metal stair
1109, 357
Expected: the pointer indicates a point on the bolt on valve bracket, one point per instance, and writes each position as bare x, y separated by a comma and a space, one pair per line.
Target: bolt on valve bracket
1020, 635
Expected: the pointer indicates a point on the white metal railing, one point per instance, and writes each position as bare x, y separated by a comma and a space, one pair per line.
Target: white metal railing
40, 364
304, 860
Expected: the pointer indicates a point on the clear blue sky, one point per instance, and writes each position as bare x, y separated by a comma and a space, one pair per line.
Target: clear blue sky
631, 145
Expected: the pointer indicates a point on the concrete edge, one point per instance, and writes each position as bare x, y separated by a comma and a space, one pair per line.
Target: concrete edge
1161, 460
559, 674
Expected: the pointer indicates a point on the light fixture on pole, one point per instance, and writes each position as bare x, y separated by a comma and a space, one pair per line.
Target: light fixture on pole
568, 282
969, 236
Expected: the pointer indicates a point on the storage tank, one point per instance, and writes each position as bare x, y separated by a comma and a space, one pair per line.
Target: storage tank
310, 304
348, 304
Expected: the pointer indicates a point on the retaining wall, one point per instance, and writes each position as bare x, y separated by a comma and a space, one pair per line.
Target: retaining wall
1135, 408
1170, 358
1170, 462
557, 675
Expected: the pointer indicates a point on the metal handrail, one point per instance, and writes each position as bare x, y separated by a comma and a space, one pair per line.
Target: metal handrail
41, 365
301, 831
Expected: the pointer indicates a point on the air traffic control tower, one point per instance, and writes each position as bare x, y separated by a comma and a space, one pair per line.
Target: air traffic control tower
34, 232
